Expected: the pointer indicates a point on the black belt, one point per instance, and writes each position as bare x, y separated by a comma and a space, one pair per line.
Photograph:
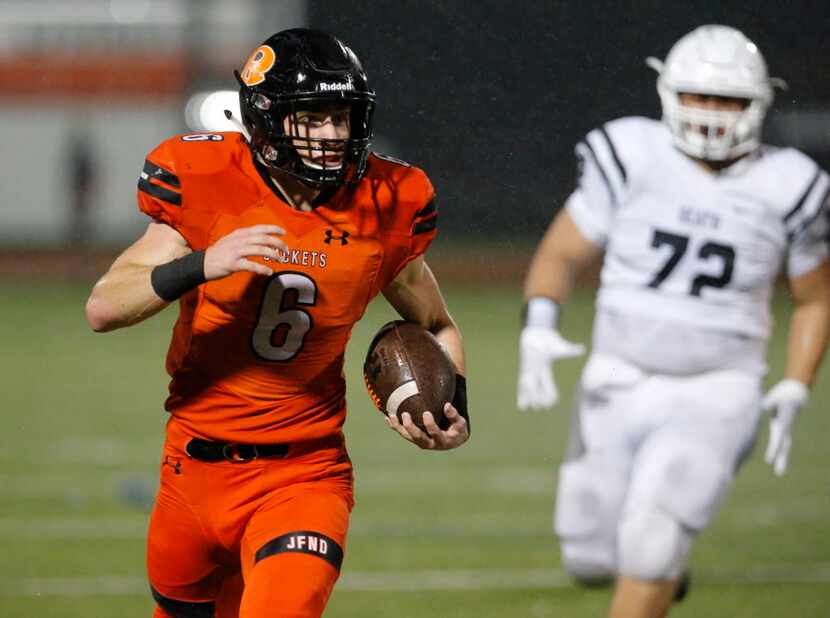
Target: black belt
232, 451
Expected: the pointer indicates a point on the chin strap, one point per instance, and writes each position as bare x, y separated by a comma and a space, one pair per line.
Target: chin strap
239, 126
261, 160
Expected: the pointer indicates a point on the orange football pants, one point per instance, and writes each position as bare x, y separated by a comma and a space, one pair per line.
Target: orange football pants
263, 538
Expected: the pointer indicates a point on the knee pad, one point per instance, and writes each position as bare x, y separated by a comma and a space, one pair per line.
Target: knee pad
589, 497
578, 502
588, 501
652, 545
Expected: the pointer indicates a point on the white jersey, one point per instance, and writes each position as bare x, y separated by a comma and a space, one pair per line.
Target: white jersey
691, 256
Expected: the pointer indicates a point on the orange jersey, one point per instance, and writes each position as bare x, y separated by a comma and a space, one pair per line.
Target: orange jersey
260, 359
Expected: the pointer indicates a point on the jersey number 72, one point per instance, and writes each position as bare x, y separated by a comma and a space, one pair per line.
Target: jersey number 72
679, 244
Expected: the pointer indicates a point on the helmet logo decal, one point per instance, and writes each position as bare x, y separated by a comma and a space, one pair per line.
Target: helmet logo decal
260, 62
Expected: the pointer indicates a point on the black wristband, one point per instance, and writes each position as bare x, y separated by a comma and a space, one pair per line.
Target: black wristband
459, 400
173, 279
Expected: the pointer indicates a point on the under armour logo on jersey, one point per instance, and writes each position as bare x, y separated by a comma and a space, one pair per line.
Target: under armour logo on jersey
343, 238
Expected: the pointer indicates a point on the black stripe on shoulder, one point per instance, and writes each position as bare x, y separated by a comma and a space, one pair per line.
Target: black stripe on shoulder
154, 171
427, 210
422, 227
159, 192
601, 171
614, 154
803, 197
809, 220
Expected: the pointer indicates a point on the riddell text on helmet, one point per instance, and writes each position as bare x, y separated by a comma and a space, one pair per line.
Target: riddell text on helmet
324, 87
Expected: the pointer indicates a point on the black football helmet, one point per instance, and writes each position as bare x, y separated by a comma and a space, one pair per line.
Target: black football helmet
303, 70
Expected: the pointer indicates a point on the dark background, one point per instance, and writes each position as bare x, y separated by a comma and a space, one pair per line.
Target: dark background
489, 97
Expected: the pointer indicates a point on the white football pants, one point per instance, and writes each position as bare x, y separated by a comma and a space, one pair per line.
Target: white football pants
643, 442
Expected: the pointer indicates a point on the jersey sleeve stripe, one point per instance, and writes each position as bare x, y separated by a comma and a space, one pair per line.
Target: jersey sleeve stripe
614, 154
159, 192
605, 158
811, 207
810, 219
427, 225
583, 148
426, 210
154, 171
791, 213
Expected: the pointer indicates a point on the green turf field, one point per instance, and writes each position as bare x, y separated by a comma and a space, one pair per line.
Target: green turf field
464, 534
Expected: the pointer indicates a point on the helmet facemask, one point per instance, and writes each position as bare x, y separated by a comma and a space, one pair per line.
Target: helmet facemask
711, 134
281, 139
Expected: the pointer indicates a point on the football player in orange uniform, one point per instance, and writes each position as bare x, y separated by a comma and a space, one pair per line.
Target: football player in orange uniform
274, 243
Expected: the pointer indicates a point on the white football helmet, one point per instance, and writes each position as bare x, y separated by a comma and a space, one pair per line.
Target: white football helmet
714, 60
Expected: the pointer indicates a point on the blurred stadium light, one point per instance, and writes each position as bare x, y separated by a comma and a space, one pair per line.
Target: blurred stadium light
205, 111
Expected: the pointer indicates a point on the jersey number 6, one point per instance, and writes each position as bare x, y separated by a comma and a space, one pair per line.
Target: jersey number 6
679, 244
283, 325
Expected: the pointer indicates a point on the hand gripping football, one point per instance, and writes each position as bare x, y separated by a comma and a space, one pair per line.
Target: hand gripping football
407, 370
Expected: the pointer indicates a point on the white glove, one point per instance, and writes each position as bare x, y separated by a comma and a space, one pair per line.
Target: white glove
784, 399
539, 346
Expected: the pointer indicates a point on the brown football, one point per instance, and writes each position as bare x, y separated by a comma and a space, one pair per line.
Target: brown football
407, 370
